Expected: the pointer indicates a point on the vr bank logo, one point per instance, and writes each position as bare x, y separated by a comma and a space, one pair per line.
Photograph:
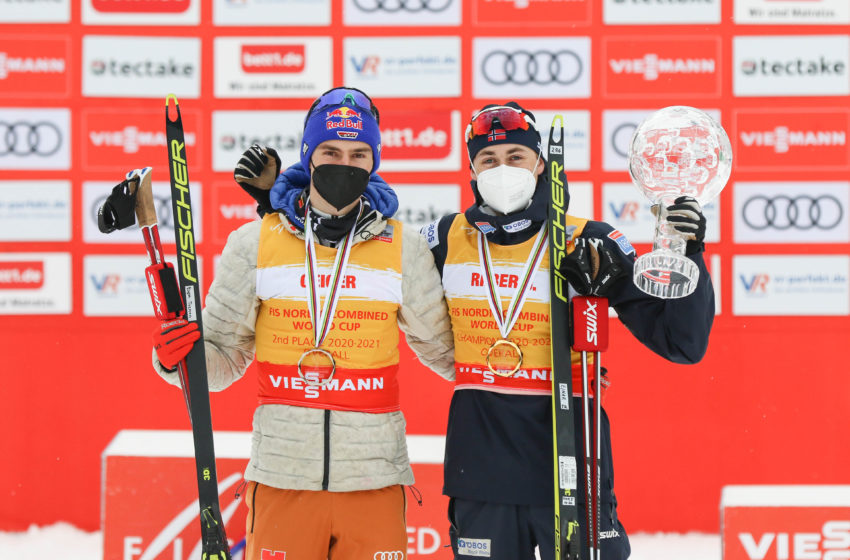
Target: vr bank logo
755, 283
625, 211
366, 65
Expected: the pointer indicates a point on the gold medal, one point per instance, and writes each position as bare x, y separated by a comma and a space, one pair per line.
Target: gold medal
505, 320
509, 344
316, 374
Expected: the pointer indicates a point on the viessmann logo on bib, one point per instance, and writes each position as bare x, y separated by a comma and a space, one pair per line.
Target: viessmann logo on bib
272, 58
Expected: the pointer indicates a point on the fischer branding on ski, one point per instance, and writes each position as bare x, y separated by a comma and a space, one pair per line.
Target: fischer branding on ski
214, 541
567, 538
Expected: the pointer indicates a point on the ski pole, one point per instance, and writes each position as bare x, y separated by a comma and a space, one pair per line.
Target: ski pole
590, 334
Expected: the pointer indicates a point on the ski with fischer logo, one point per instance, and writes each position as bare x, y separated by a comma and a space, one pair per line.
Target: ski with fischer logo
567, 534
214, 544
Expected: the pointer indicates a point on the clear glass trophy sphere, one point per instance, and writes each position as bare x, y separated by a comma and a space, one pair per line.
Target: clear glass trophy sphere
674, 152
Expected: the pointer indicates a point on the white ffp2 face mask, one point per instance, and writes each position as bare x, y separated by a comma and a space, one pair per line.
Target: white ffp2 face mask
505, 188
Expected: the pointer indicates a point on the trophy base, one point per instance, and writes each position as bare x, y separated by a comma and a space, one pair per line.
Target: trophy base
665, 274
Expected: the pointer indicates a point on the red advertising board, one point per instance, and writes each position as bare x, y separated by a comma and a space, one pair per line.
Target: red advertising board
786, 522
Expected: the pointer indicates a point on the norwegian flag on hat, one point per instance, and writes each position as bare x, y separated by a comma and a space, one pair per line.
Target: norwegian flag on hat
496, 134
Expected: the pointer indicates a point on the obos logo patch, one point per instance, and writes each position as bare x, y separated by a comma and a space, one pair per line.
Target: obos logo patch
473, 547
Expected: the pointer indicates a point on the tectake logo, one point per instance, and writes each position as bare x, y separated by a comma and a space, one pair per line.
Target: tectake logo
792, 139
272, 58
648, 67
141, 66
791, 65
233, 132
141, 6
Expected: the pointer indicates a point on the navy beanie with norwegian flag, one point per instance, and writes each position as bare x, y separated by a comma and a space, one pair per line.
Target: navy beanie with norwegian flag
529, 138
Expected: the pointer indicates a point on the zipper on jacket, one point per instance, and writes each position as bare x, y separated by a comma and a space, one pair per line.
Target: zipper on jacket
327, 464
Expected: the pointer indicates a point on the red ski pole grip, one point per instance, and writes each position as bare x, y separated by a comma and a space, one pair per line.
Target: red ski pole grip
165, 293
590, 323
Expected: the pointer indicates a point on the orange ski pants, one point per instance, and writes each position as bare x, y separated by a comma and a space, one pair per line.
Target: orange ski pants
322, 525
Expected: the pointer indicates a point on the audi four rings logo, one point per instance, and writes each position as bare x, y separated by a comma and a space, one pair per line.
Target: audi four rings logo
23, 138
389, 555
802, 212
393, 6
162, 206
540, 67
622, 137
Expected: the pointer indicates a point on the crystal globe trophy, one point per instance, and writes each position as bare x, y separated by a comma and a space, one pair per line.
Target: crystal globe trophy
674, 152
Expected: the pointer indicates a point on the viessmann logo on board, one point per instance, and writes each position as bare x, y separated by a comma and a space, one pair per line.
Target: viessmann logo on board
792, 139
120, 139
638, 67
272, 58
141, 6
35, 66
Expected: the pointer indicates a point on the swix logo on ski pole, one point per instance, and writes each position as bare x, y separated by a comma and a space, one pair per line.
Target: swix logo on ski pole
590, 326
832, 543
184, 210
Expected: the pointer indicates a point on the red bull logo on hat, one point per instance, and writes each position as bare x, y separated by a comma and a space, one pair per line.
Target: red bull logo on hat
348, 118
343, 113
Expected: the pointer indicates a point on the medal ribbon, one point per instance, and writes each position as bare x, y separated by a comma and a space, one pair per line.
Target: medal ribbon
322, 321
506, 321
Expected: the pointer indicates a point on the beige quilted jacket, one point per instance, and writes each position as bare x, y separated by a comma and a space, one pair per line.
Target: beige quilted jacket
367, 451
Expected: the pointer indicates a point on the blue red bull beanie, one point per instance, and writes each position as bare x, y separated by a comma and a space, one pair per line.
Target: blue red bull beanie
340, 114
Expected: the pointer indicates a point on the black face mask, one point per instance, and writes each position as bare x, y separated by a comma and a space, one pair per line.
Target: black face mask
340, 185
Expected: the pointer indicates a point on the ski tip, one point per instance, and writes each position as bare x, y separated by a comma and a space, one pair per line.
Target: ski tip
168, 99
557, 125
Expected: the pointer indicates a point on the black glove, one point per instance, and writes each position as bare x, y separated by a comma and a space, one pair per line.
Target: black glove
687, 218
609, 273
576, 266
592, 269
256, 172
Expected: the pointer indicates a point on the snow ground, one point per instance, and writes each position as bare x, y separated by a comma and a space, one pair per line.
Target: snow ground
65, 541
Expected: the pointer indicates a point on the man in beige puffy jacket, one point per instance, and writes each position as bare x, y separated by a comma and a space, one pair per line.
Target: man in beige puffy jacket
322, 312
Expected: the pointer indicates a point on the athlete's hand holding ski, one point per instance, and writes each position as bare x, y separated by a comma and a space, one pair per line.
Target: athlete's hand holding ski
173, 340
591, 268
